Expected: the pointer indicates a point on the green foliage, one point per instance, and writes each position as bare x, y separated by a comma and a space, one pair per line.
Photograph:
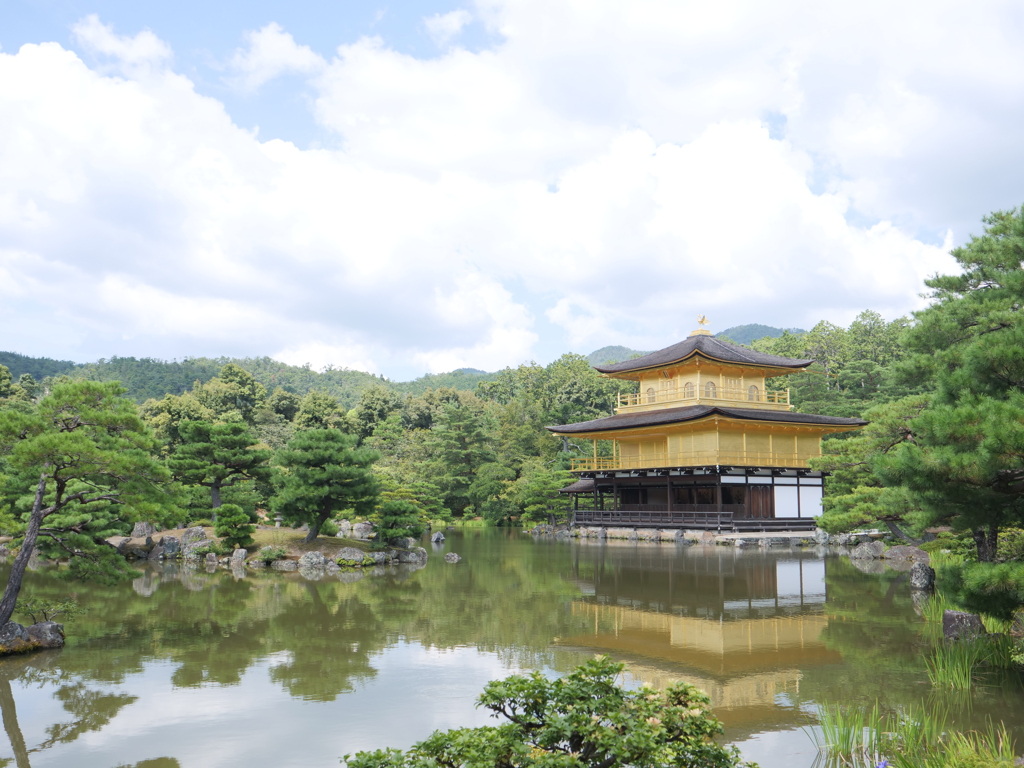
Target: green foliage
965, 463
907, 738
323, 473
40, 609
397, 520
459, 446
234, 526
856, 496
80, 464
218, 456
996, 589
582, 720
270, 554
425, 495
38, 367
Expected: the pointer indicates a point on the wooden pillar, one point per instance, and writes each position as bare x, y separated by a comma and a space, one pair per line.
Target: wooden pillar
615, 493
594, 441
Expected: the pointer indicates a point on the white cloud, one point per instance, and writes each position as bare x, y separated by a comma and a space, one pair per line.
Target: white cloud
271, 52
443, 28
142, 49
606, 169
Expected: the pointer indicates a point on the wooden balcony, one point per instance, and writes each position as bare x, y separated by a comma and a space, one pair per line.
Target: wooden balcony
704, 459
676, 398
728, 517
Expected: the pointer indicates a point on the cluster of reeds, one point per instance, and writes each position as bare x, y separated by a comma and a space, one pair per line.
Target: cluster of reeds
862, 737
955, 663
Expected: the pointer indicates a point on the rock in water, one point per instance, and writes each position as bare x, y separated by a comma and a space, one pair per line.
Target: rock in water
957, 625
142, 530
416, 556
344, 529
14, 638
821, 537
192, 535
47, 634
868, 551
211, 559
437, 538
171, 545
157, 553
313, 560
451, 557
350, 556
922, 576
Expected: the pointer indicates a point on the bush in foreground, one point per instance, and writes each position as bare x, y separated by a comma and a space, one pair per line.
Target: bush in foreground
583, 720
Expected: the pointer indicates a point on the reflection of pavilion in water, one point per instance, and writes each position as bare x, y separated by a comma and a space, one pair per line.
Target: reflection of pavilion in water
739, 625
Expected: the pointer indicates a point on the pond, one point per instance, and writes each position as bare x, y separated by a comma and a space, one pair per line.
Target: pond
186, 668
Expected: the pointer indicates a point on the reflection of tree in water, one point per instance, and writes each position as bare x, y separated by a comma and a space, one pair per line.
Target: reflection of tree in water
92, 708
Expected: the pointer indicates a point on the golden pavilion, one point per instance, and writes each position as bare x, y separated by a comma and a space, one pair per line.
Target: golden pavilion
704, 443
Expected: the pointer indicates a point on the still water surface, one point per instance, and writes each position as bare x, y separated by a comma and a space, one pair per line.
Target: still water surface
190, 669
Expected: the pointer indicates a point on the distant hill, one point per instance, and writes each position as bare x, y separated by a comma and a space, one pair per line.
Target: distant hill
614, 354
146, 378
38, 367
744, 334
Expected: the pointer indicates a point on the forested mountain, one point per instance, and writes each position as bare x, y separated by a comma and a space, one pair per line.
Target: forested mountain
36, 367
614, 354
745, 334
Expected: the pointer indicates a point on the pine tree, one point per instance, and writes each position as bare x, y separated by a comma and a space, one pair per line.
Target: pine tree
323, 472
234, 526
218, 456
397, 520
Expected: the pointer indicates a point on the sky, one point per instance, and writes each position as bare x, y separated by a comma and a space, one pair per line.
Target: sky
422, 186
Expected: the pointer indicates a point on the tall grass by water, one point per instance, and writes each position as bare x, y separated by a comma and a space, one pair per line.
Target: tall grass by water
864, 737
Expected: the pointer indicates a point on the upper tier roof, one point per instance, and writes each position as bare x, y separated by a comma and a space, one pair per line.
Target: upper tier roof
708, 346
693, 412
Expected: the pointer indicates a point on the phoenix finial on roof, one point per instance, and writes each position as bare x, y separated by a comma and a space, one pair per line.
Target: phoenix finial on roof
702, 320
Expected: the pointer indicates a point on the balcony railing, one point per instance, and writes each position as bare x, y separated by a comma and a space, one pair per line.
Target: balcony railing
682, 396
703, 459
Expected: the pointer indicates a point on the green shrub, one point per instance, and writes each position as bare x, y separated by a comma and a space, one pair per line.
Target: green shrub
270, 554
583, 720
234, 526
329, 528
397, 520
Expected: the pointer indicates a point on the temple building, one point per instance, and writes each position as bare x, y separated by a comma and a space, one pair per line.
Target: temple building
703, 444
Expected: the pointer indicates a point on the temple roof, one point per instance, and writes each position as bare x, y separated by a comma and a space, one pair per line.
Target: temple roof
708, 346
694, 412
580, 486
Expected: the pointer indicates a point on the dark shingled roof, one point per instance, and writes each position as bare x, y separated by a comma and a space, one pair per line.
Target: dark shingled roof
708, 346
694, 412
580, 486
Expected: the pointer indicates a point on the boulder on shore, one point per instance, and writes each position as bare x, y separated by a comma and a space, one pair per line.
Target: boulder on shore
171, 545
142, 530
239, 555
313, 560
868, 551
905, 552
192, 535
362, 530
15, 638
958, 625
350, 556
922, 576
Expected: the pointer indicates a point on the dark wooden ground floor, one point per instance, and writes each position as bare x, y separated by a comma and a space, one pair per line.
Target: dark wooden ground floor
719, 499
